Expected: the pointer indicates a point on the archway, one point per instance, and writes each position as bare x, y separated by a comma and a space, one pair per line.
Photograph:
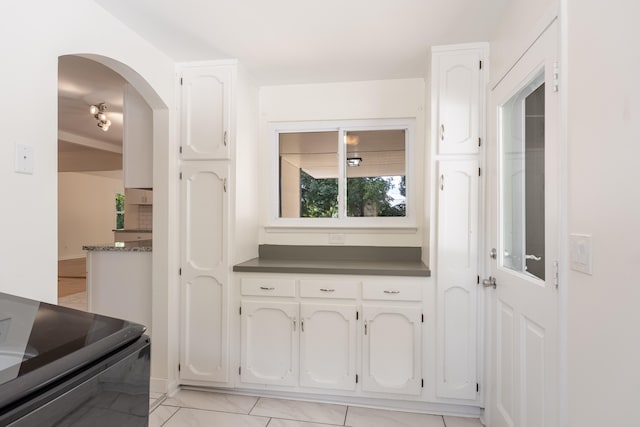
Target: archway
158, 298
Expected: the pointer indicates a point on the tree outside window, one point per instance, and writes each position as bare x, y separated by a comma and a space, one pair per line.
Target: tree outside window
119, 211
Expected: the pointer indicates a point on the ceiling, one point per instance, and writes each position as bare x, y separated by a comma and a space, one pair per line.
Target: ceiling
82, 145
305, 41
278, 41
381, 152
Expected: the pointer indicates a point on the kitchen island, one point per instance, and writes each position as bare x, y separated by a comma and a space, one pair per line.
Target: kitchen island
119, 280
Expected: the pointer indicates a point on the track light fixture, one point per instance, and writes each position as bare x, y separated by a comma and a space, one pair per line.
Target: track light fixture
98, 111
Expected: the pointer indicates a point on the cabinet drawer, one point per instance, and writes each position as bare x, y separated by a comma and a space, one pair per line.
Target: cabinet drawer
269, 287
314, 288
124, 236
392, 291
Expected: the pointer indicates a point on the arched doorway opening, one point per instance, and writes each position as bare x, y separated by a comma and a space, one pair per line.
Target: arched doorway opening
92, 161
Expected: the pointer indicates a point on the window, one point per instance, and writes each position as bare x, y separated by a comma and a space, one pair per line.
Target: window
119, 211
522, 121
347, 173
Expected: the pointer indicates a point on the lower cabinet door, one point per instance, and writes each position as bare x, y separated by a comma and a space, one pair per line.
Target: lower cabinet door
328, 346
391, 349
204, 330
269, 350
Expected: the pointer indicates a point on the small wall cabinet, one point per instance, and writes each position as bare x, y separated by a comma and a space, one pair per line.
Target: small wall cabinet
205, 129
456, 98
137, 196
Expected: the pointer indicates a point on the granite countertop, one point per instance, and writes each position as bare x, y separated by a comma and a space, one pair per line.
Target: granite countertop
132, 230
359, 260
137, 246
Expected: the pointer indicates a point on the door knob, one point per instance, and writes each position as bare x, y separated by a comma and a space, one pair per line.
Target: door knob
490, 282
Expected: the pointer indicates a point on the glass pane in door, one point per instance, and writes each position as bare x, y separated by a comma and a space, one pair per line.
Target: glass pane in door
522, 180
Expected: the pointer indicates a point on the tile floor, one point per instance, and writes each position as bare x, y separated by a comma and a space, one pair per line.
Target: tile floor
77, 301
192, 408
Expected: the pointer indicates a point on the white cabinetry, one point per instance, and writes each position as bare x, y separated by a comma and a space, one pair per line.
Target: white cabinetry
137, 140
138, 196
206, 105
204, 272
126, 236
333, 334
328, 346
457, 269
457, 114
392, 356
456, 86
270, 342
216, 97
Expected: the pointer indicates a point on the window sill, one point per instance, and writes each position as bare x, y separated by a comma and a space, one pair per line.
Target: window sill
346, 229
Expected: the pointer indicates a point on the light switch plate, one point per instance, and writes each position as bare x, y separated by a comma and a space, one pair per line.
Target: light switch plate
581, 253
24, 158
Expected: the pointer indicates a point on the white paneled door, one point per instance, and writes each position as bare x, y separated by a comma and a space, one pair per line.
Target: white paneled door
523, 212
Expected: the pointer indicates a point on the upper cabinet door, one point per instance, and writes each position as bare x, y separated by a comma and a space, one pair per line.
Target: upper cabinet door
456, 86
205, 117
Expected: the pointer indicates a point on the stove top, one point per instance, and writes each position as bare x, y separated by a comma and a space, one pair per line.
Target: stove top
41, 342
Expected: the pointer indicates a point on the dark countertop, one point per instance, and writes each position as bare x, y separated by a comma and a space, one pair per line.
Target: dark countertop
357, 260
132, 230
137, 246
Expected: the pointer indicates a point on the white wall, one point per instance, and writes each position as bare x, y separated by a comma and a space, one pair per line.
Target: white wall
520, 25
33, 34
86, 211
342, 101
604, 201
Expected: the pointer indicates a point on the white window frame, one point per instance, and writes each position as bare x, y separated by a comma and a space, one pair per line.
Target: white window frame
342, 127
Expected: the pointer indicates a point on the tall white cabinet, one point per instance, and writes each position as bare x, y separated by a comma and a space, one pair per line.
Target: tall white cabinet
457, 88
216, 98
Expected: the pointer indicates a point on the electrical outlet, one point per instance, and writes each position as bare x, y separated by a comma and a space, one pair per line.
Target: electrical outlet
337, 239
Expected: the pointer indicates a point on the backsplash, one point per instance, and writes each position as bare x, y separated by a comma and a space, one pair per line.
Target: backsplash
145, 217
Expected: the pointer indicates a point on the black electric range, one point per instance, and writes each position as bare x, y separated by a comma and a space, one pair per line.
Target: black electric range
60, 366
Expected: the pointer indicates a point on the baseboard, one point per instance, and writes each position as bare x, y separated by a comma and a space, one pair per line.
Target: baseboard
162, 385
394, 405
158, 385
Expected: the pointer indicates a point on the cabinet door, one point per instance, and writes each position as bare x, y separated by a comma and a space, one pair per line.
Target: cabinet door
457, 97
137, 196
328, 346
457, 267
205, 116
137, 140
269, 334
391, 349
204, 277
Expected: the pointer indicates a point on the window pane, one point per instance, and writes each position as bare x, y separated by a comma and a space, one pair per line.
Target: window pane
119, 211
523, 226
376, 180
308, 174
